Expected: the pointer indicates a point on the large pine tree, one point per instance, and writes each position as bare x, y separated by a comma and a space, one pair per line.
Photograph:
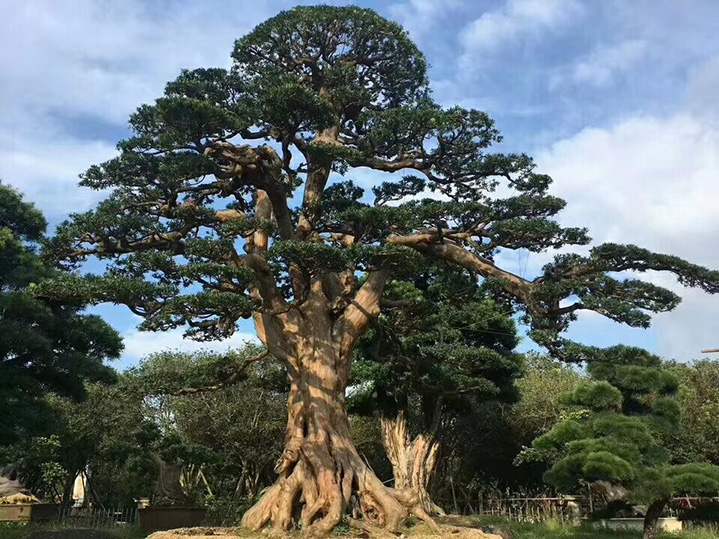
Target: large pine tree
223, 205
46, 346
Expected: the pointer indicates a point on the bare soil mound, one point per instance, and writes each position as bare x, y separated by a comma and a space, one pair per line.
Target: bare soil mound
72, 534
420, 531
202, 533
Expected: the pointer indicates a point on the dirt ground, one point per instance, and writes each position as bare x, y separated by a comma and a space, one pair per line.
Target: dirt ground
71, 534
420, 531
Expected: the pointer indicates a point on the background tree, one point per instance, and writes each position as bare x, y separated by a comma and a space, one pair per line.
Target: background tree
328, 89
539, 406
45, 345
618, 436
698, 440
441, 343
480, 446
232, 434
106, 436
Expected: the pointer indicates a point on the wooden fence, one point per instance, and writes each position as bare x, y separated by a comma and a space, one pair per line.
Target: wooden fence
519, 508
543, 507
96, 517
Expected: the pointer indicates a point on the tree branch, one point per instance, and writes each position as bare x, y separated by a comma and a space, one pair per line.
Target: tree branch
267, 288
232, 379
364, 307
427, 244
262, 168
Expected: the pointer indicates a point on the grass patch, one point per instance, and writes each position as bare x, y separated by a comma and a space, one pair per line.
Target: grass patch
557, 530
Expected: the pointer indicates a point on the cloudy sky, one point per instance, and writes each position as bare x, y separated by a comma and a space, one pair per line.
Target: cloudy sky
616, 99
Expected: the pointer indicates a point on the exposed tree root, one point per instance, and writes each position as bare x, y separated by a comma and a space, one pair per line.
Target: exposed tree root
319, 482
373, 531
321, 475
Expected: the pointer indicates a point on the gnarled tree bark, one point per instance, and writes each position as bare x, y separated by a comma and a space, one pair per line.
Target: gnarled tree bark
413, 460
321, 474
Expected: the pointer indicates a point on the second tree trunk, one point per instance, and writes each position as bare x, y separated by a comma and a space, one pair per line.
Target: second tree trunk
413, 460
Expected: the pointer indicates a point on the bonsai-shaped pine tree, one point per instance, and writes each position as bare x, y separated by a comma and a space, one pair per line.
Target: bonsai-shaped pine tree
225, 204
440, 342
45, 346
618, 435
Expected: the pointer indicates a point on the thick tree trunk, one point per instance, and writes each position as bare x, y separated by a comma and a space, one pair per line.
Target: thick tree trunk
654, 511
321, 475
413, 461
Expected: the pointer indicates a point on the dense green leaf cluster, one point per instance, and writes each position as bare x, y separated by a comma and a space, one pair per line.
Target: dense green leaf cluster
45, 345
442, 340
356, 56
620, 431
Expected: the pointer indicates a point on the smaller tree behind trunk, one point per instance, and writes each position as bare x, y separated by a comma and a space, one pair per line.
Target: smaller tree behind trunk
441, 344
413, 459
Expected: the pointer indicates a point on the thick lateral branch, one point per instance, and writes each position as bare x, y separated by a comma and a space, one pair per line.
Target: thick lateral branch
392, 166
364, 307
426, 243
168, 241
260, 167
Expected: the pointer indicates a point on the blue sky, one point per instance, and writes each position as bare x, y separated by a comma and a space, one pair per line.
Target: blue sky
616, 99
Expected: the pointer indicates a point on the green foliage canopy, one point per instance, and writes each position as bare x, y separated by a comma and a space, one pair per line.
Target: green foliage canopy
46, 345
330, 89
620, 432
441, 340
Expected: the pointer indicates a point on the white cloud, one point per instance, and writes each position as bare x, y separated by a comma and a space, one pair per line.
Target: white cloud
516, 19
420, 17
67, 65
646, 180
691, 328
105, 58
603, 63
702, 90
140, 344
48, 173
653, 182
